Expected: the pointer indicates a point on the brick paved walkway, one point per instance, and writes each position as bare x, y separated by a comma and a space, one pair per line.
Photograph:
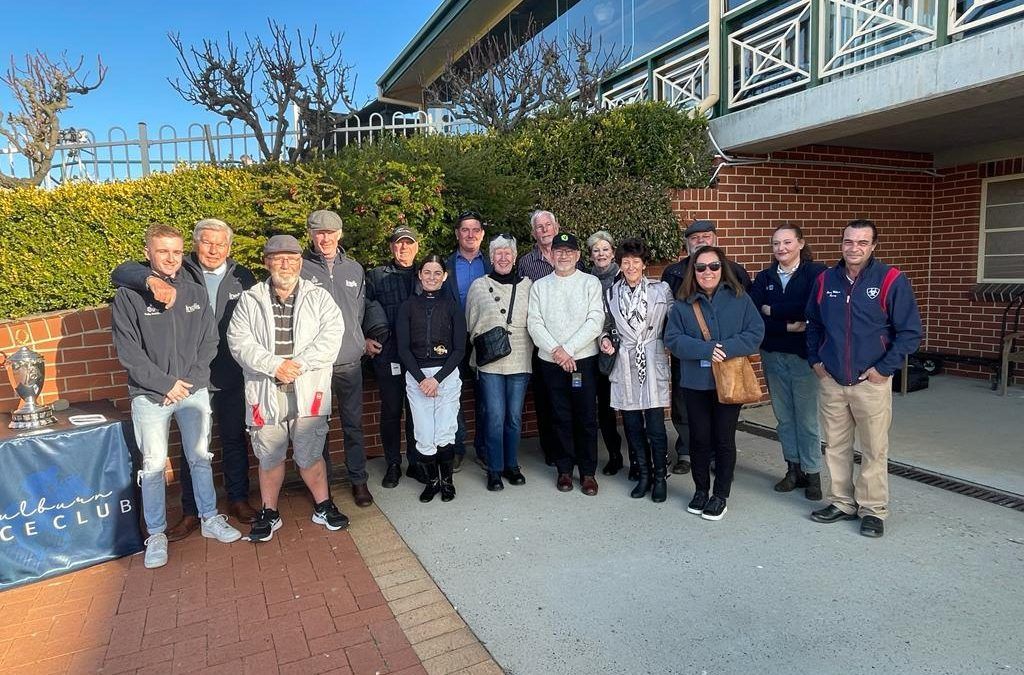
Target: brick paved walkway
305, 602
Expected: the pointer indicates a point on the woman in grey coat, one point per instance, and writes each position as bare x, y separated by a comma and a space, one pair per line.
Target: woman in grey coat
641, 379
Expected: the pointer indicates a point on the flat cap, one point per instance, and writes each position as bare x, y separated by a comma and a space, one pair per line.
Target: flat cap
324, 220
700, 226
404, 232
282, 243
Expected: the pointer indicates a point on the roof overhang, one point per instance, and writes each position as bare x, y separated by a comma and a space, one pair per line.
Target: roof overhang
452, 29
962, 103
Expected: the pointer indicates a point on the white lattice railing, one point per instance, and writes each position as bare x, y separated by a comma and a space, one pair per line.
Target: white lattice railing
683, 81
977, 13
632, 90
855, 33
771, 55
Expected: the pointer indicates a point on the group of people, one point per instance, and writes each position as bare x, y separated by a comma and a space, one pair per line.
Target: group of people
200, 337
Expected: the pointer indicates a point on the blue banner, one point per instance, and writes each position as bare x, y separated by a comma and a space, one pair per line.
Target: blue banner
67, 501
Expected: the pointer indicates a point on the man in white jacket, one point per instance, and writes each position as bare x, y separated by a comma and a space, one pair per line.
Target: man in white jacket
286, 333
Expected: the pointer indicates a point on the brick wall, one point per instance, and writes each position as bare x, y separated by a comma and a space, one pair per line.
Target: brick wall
929, 226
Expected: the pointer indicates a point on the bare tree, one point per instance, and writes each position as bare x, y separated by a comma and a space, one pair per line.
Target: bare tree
41, 89
255, 84
501, 81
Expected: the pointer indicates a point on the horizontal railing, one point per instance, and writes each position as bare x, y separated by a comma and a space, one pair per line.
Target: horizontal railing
771, 48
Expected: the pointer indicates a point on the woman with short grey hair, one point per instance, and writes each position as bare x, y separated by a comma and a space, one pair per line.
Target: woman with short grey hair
601, 245
501, 299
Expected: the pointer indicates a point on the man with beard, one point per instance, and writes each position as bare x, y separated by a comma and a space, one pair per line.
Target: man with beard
286, 333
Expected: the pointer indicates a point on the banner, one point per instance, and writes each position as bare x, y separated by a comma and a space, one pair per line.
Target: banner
67, 501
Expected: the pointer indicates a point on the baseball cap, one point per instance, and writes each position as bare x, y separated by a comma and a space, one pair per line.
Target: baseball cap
565, 240
404, 232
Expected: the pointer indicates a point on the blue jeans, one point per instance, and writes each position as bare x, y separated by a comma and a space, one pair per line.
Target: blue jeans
794, 390
503, 422
151, 422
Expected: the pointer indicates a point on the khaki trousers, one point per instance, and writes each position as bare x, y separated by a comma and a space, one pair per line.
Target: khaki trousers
866, 409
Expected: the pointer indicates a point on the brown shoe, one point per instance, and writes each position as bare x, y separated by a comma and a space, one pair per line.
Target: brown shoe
184, 527
242, 511
588, 484
564, 482
361, 494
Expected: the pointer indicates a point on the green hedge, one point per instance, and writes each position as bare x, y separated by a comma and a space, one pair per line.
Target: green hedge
609, 170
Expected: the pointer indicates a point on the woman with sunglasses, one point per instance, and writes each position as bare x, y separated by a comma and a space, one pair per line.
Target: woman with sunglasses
430, 332
780, 292
641, 378
736, 329
492, 299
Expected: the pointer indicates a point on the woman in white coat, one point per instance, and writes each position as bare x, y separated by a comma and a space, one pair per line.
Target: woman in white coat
641, 379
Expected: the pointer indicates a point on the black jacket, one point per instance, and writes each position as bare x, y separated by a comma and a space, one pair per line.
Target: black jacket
430, 332
387, 287
225, 373
158, 346
786, 306
346, 284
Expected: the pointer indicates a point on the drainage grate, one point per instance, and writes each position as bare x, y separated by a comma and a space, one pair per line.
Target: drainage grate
962, 487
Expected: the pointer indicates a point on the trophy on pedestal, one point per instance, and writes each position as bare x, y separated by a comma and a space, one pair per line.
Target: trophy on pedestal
28, 369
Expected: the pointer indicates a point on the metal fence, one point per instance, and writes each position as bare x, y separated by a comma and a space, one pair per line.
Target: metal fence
81, 156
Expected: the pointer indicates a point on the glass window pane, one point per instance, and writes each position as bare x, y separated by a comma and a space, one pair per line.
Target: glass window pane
1004, 268
1004, 242
1005, 192
999, 217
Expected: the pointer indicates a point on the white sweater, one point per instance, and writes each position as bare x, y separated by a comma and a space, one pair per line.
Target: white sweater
567, 312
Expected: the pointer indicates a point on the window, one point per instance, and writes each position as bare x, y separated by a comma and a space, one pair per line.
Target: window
1001, 249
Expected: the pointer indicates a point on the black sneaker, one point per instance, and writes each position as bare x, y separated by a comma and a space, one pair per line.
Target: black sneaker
392, 475
715, 509
327, 514
697, 504
268, 521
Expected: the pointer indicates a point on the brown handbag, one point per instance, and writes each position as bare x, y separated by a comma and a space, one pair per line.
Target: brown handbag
735, 380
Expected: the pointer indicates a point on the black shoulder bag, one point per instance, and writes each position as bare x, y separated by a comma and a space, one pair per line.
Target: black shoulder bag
494, 344
606, 362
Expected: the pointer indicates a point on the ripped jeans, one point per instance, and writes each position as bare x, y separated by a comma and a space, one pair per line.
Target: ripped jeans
152, 423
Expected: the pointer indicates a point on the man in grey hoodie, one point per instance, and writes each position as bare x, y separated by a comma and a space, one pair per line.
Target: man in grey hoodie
167, 352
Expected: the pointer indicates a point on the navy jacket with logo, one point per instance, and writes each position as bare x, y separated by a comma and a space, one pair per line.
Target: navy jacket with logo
225, 373
158, 346
873, 322
346, 284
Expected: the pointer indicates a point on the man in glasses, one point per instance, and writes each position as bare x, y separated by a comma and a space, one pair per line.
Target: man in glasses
862, 321
286, 333
211, 266
466, 264
699, 234
326, 265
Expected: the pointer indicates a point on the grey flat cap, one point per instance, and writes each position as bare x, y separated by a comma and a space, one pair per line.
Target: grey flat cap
282, 243
324, 220
700, 226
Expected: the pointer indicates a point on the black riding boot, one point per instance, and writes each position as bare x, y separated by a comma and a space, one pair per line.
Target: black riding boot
445, 456
643, 477
428, 465
659, 489
813, 491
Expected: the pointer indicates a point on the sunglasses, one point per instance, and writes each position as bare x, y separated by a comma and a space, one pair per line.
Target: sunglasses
713, 266
468, 215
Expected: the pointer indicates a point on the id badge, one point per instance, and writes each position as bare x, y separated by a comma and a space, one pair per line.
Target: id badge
577, 380
396, 369
705, 364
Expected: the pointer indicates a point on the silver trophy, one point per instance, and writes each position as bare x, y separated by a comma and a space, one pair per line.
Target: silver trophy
29, 371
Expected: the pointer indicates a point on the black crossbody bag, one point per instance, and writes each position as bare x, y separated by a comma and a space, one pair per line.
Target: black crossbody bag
494, 344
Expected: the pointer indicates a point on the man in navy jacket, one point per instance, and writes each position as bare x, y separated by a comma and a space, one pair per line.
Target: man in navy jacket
862, 321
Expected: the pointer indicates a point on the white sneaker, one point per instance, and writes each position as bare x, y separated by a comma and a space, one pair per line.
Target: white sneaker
156, 551
217, 528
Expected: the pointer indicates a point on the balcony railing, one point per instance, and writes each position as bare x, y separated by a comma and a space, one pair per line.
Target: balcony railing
770, 48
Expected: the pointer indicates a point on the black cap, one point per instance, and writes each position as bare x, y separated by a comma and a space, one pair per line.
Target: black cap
565, 240
404, 232
700, 226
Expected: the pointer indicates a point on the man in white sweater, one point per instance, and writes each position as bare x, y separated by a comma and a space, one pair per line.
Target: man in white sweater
565, 318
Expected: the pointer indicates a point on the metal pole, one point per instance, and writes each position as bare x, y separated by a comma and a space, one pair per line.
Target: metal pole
209, 143
144, 148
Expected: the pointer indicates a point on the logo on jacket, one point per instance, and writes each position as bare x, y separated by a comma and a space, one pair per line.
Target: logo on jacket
315, 281
771, 287
351, 283
873, 292
191, 308
440, 350
234, 296
833, 293
151, 310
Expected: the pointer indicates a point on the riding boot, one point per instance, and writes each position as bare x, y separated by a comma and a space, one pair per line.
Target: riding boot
643, 481
793, 479
445, 457
813, 491
659, 489
428, 465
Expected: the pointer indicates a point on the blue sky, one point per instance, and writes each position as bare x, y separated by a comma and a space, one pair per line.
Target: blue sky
131, 37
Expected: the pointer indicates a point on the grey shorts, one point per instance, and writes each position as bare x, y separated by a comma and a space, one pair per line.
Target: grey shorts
307, 434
